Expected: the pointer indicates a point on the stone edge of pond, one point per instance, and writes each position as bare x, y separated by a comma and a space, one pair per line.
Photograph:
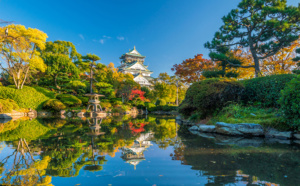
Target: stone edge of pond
241, 129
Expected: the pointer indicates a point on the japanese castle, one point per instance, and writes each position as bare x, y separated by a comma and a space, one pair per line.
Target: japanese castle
133, 62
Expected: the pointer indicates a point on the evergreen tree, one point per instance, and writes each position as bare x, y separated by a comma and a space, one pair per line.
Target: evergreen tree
263, 26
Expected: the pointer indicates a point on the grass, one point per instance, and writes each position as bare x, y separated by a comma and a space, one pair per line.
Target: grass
235, 113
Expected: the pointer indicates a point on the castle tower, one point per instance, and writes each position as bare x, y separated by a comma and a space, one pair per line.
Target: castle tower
133, 62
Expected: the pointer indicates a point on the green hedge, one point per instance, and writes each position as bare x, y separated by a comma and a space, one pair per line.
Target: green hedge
69, 100
28, 97
210, 95
54, 104
290, 103
265, 91
160, 102
7, 105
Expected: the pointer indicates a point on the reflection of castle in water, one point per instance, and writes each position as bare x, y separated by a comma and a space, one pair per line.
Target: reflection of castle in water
135, 153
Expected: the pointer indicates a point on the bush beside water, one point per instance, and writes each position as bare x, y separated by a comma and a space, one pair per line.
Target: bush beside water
69, 100
290, 103
210, 95
54, 105
7, 105
28, 97
265, 91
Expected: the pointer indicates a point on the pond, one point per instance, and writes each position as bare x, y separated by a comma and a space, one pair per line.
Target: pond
141, 151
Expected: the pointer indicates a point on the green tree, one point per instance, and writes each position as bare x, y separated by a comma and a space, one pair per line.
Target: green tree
224, 58
59, 57
263, 26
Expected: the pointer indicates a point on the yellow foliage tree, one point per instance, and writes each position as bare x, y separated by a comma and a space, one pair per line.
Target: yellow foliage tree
18, 51
282, 62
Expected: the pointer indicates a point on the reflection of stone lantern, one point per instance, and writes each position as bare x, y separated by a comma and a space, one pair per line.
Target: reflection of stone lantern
95, 127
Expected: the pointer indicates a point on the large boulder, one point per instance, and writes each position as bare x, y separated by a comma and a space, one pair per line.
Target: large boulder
242, 129
297, 136
194, 128
273, 133
207, 128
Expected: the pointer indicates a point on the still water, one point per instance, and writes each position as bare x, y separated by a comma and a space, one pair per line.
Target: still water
140, 151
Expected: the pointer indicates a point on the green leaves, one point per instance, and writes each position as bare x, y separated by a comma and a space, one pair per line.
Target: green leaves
290, 103
265, 26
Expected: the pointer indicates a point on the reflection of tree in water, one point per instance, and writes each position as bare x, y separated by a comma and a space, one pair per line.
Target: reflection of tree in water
75, 145
165, 132
72, 152
25, 170
227, 164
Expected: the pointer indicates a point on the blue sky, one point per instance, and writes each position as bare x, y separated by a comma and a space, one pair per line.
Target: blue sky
165, 31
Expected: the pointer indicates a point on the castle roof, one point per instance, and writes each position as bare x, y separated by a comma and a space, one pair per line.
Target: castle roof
133, 52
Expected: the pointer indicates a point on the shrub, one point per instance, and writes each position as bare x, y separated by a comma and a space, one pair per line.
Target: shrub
160, 102
186, 109
7, 105
117, 102
169, 108
28, 97
69, 100
210, 95
290, 103
78, 86
265, 91
105, 104
149, 105
125, 107
84, 100
54, 104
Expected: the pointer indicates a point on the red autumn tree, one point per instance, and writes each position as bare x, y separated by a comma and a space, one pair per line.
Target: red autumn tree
190, 70
135, 94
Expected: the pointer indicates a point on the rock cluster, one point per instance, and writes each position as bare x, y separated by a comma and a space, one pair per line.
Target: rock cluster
245, 130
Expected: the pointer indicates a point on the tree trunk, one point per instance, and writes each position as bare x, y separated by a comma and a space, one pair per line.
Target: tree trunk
254, 55
257, 68
25, 77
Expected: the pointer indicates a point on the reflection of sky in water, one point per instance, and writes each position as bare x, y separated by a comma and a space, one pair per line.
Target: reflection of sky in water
158, 168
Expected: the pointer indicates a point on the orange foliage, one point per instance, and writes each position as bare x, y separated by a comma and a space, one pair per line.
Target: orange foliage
190, 70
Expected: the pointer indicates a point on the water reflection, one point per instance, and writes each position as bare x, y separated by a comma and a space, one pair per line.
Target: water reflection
40, 151
134, 153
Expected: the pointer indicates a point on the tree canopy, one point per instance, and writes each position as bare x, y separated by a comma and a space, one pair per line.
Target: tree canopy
263, 26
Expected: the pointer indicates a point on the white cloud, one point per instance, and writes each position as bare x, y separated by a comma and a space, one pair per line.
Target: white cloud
121, 38
81, 36
101, 41
108, 37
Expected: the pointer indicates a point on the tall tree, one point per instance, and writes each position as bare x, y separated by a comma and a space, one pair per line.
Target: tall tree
297, 60
282, 62
190, 70
59, 56
18, 50
264, 26
224, 59
89, 61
